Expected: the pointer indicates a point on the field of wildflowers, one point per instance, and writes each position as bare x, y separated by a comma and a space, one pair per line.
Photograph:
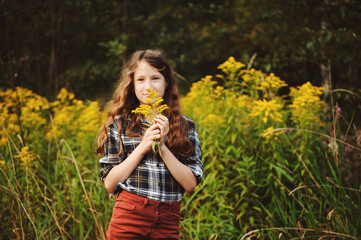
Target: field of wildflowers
275, 166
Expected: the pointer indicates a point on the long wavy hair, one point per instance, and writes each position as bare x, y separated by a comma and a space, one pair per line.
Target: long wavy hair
124, 101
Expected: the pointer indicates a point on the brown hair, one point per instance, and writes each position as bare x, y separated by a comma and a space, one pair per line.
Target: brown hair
124, 101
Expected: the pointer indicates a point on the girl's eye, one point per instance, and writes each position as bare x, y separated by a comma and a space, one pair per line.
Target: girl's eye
156, 78
140, 79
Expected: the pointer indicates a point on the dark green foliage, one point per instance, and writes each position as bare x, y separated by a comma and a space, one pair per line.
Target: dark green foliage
81, 45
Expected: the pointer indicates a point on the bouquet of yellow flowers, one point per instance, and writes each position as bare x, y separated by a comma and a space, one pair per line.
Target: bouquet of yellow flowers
151, 111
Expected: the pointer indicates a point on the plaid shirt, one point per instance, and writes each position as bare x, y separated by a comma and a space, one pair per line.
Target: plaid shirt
151, 178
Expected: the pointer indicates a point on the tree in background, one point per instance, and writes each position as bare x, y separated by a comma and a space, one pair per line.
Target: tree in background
81, 44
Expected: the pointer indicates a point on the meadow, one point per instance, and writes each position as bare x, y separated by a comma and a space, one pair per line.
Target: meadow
275, 166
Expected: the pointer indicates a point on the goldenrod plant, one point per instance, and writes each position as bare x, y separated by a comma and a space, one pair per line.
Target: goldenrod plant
46, 150
23, 113
271, 167
150, 112
307, 105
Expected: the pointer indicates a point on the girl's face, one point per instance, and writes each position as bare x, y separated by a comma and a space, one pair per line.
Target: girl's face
145, 77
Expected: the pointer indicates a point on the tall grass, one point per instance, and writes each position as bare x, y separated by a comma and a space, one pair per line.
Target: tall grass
61, 197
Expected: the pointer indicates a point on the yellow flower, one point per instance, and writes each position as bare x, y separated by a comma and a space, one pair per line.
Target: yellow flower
74, 118
202, 98
2, 163
245, 101
3, 140
233, 71
267, 133
231, 66
64, 95
307, 106
219, 91
267, 110
152, 110
21, 107
270, 85
26, 157
145, 110
212, 121
64, 98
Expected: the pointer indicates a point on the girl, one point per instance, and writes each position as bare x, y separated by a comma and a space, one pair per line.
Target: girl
149, 187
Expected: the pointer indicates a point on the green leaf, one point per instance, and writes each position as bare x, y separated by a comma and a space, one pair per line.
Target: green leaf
257, 209
281, 171
158, 149
153, 146
146, 124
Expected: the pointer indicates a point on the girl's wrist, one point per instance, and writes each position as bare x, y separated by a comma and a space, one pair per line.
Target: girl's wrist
142, 148
163, 147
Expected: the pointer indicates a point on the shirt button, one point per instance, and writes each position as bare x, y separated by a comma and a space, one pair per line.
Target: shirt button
157, 218
159, 184
158, 165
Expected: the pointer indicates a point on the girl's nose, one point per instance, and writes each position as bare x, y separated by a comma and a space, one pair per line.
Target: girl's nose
148, 84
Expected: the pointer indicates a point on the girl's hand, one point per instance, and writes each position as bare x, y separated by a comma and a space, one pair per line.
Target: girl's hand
148, 138
163, 124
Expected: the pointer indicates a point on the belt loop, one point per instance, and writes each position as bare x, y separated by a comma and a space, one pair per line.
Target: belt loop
145, 203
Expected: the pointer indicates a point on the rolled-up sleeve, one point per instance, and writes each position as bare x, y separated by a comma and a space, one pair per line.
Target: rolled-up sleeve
111, 149
194, 162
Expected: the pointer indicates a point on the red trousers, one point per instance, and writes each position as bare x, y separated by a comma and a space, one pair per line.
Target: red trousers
136, 217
